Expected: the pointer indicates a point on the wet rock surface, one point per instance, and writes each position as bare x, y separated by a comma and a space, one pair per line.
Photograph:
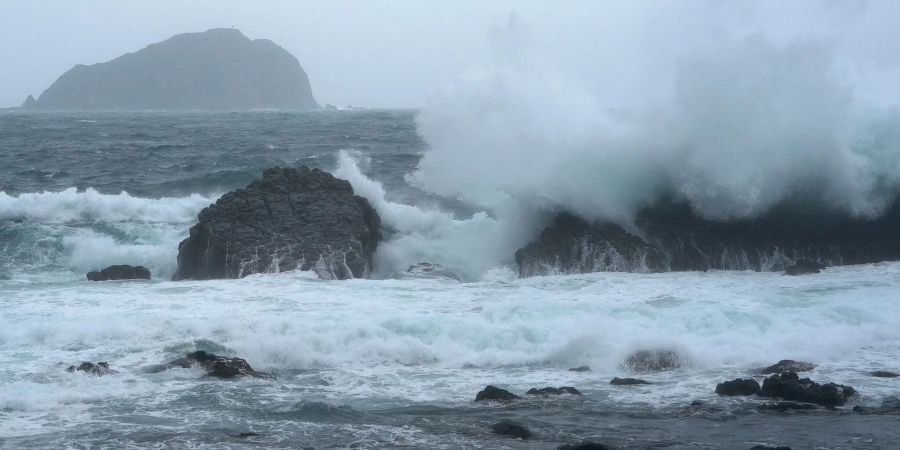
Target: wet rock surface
427, 271
120, 272
804, 267
493, 393
645, 361
580, 369
554, 391
884, 374
511, 429
627, 381
787, 365
216, 366
738, 386
789, 386
99, 369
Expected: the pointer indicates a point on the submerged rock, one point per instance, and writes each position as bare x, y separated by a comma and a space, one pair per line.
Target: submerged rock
300, 218
789, 386
627, 381
493, 393
738, 386
884, 374
586, 445
786, 406
787, 365
120, 272
644, 361
571, 245
512, 429
553, 391
216, 366
769, 447
99, 369
580, 369
426, 270
804, 267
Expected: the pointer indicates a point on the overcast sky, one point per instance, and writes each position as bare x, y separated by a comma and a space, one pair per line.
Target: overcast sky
396, 53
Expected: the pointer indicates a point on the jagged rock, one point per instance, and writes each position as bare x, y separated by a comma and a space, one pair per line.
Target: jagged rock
216, 366
580, 369
785, 406
738, 386
787, 365
644, 361
426, 270
586, 445
99, 369
120, 272
493, 393
627, 381
884, 374
29, 102
291, 219
553, 391
789, 386
804, 267
219, 69
512, 429
571, 245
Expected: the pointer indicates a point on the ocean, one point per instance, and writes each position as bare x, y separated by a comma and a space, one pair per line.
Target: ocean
382, 362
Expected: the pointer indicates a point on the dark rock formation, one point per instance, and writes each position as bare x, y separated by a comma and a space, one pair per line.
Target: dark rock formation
884, 374
120, 272
580, 369
299, 218
29, 102
217, 69
804, 267
511, 429
627, 381
216, 366
789, 386
670, 236
787, 365
572, 245
586, 445
644, 361
493, 393
738, 386
99, 369
553, 391
426, 270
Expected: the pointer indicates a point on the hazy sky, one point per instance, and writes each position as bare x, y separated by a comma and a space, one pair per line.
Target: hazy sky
369, 53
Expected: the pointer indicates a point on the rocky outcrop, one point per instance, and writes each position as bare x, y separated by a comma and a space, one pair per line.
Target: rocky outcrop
220, 69
884, 374
120, 272
787, 365
216, 366
644, 361
572, 245
493, 393
99, 369
804, 267
789, 386
616, 381
553, 391
580, 369
511, 429
301, 218
738, 386
426, 271
671, 237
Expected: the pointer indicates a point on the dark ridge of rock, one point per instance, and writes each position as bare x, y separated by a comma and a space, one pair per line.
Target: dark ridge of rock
785, 406
644, 361
586, 445
884, 374
571, 245
738, 386
99, 369
290, 219
580, 369
120, 272
804, 267
511, 429
627, 381
219, 69
789, 386
769, 447
426, 270
216, 366
787, 365
553, 391
493, 393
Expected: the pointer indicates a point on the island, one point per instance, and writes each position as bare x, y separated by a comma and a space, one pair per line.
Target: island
219, 69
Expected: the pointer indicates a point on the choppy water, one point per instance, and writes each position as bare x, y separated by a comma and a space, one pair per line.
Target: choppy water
375, 363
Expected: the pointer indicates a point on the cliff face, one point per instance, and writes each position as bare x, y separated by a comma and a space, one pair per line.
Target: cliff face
215, 69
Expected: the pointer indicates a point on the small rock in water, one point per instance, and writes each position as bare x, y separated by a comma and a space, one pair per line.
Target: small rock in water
512, 429
804, 267
787, 365
586, 445
120, 272
554, 391
738, 386
493, 393
245, 435
644, 361
769, 447
884, 374
216, 366
789, 386
99, 369
627, 381
426, 270
580, 369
